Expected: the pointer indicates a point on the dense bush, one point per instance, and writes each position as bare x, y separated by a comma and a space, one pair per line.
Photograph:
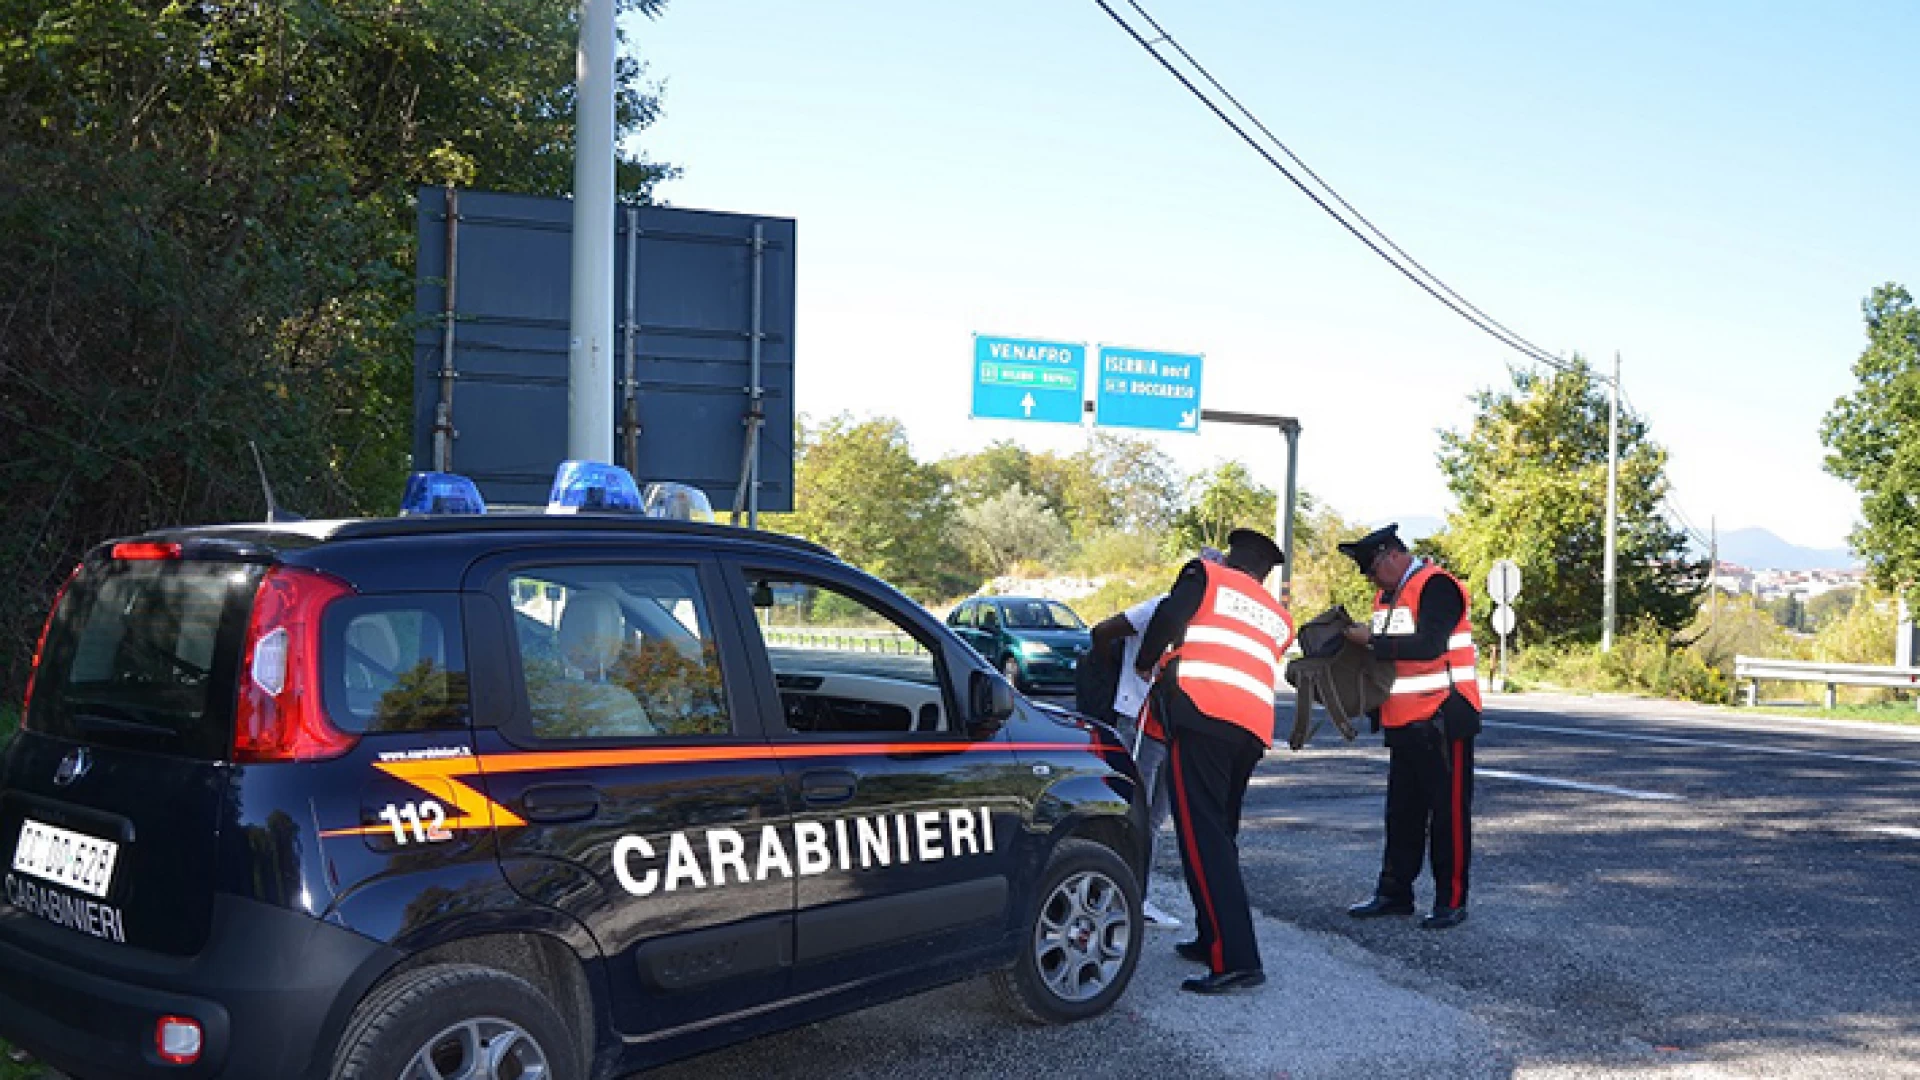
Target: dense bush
1644, 660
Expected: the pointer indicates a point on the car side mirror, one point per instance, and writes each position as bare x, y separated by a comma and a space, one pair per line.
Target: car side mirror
762, 595
990, 700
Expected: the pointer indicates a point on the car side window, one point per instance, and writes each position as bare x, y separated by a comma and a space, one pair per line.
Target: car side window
843, 664
989, 617
617, 651
394, 664
963, 615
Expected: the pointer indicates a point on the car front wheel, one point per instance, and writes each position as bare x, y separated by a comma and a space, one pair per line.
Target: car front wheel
1081, 942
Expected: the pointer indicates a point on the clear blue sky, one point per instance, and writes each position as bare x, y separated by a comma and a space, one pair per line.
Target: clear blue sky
1709, 188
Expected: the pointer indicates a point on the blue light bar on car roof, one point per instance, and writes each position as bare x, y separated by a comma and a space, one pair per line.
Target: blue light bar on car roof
593, 486
441, 493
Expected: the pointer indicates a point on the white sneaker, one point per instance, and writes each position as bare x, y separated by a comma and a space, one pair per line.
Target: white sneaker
1157, 919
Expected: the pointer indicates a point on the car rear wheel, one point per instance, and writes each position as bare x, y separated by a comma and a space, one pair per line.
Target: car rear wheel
457, 1022
1081, 941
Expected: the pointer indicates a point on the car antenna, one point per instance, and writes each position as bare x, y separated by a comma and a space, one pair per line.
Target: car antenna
274, 511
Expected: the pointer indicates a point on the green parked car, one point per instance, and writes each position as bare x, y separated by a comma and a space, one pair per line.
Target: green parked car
1037, 643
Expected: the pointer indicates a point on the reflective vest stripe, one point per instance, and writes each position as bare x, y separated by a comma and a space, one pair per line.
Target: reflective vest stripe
1219, 635
1201, 671
1426, 684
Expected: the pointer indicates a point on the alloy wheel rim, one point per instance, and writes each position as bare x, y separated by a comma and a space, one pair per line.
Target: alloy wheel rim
479, 1049
1081, 939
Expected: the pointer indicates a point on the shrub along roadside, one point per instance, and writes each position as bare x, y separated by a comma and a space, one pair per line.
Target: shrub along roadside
1643, 661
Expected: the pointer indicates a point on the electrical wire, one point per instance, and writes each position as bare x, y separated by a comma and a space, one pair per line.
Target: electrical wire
1511, 338
1461, 308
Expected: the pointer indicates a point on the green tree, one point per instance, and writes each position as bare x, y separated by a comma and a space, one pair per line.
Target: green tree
1529, 477
1873, 439
1830, 607
1789, 612
859, 490
985, 473
1322, 576
206, 233
1012, 527
1225, 499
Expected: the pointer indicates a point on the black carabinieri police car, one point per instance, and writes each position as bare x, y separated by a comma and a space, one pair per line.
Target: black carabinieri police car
563, 795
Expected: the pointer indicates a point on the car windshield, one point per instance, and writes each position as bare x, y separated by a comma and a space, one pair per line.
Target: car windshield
1041, 615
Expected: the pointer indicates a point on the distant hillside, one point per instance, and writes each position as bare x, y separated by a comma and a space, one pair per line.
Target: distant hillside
1759, 549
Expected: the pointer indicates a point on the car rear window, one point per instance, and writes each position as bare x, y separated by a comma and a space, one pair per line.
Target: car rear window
145, 654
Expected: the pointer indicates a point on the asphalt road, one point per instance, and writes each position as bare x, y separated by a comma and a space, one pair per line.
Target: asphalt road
1658, 890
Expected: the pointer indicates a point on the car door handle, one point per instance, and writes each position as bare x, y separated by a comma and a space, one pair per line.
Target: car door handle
827, 785
554, 803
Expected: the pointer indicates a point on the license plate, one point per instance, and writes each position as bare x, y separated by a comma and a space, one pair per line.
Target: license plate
65, 858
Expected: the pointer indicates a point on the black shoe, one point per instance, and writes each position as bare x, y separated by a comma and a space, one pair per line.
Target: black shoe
1444, 917
1195, 951
1225, 982
1378, 906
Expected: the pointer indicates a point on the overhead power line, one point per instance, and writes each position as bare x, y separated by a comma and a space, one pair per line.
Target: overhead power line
1410, 269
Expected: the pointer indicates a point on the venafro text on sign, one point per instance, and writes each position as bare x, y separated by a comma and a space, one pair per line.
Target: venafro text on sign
1024, 379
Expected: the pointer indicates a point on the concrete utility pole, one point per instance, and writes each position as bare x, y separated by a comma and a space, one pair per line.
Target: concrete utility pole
590, 335
1613, 506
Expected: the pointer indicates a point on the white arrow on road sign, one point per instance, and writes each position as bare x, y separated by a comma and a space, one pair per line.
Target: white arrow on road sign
1503, 620
1026, 404
1503, 581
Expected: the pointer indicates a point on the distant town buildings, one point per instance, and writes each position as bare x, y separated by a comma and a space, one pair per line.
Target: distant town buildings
1767, 585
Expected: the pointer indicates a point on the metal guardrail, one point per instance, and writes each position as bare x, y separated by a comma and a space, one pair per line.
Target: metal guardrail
874, 641
1756, 670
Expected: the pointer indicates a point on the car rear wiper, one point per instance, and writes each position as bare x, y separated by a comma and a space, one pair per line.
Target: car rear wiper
96, 717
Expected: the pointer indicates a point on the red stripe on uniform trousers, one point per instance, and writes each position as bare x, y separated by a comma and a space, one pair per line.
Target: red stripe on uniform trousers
1459, 828
1218, 954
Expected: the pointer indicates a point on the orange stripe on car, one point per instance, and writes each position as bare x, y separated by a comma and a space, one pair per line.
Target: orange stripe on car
444, 776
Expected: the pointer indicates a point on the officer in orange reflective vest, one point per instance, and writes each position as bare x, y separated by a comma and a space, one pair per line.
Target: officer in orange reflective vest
1431, 716
1214, 696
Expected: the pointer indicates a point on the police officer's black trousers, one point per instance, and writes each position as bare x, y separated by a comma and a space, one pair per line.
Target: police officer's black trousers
1210, 774
1429, 812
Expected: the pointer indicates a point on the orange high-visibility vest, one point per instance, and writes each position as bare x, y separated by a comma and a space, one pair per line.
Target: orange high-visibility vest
1230, 659
1419, 686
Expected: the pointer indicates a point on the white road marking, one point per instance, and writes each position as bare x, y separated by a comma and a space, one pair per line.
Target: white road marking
1576, 785
1675, 740
1904, 832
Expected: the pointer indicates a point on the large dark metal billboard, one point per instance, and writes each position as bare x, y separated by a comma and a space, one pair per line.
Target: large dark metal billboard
693, 293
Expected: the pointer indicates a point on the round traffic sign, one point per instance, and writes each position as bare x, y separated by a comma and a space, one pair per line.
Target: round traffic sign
1503, 620
1503, 581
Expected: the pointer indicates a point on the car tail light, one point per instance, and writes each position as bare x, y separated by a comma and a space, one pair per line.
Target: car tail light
40, 646
280, 717
144, 549
177, 1040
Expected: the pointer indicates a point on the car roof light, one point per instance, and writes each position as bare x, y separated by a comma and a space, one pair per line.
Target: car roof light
593, 486
680, 502
441, 493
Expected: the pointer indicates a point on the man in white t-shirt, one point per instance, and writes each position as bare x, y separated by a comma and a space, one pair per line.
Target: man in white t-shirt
1134, 718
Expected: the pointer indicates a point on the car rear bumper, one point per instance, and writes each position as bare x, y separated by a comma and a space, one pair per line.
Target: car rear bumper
270, 987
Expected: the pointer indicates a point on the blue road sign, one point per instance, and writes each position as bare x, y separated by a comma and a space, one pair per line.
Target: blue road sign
1021, 379
1153, 390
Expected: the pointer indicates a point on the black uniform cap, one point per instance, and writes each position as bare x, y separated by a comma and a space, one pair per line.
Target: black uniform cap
1257, 544
1363, 550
